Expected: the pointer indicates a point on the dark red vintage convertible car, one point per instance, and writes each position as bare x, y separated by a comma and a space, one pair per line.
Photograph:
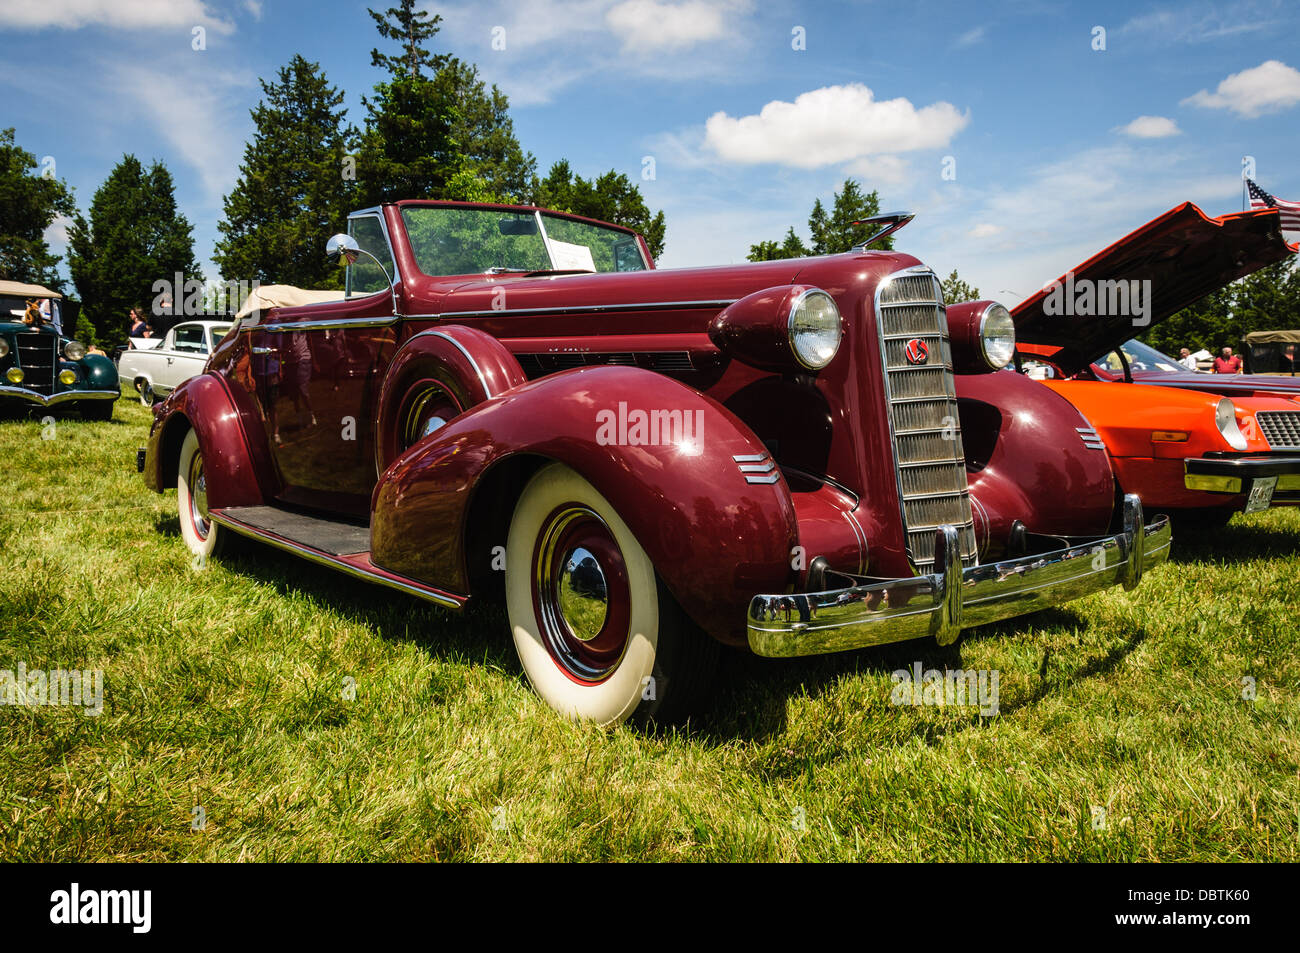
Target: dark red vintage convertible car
798, 456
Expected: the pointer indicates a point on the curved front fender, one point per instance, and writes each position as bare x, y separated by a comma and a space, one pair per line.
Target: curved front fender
715, 537
203, 403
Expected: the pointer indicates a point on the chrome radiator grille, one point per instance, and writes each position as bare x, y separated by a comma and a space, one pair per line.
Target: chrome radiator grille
923, 414
38, 356
1281, 428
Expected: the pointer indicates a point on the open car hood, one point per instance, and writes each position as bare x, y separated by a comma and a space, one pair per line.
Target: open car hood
1184, 253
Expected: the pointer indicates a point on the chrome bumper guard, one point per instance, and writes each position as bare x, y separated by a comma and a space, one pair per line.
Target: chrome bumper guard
943, 603
62, 397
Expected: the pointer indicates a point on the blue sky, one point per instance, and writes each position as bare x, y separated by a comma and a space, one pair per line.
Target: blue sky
1058, 148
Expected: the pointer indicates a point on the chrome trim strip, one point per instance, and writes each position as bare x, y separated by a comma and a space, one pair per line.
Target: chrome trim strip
589, 309
448, 600
749, 457
861, 534
767, 467
60, 398
951, 599
487, 387
324, 324
770, 478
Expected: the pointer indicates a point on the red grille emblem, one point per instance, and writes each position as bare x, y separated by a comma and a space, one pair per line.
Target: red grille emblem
917, 352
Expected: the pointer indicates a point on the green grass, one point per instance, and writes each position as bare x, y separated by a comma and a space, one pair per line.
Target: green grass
224, 688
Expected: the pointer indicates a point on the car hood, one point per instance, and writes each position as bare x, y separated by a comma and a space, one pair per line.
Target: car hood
1227, 384
1184, 253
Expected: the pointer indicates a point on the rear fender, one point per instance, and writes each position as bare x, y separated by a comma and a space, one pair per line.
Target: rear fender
714, 537
203, 404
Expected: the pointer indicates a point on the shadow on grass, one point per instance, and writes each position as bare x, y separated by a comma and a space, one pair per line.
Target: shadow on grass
169, 525
479, 634
750, 697
1235, 543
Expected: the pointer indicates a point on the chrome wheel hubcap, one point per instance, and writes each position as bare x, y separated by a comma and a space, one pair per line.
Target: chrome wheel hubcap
199, 497
583, 596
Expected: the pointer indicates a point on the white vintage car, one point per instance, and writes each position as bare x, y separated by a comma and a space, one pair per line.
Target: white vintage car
158, 366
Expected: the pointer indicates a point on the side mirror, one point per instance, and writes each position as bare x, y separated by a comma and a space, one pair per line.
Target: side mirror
343, 245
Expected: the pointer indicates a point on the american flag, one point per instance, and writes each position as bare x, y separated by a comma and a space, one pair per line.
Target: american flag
1290, 210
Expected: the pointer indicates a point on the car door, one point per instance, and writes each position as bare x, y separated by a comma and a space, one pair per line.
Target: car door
186, 353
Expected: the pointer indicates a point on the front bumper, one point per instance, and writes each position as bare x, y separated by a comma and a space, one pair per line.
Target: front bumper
63, 397
953, 598
1233, 475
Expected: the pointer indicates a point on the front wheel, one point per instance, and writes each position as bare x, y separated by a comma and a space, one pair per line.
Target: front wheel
598, 634
203, 537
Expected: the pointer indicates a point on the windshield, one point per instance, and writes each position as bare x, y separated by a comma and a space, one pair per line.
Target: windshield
467, 241
1141, 357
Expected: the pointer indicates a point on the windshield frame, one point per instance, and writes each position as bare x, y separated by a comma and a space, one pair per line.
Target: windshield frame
1101, 369
539, 214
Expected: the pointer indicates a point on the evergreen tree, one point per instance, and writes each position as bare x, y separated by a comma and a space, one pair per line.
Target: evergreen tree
29, 203
612, 197
135, 237
432, 119
831, 232
955, 291
294, 188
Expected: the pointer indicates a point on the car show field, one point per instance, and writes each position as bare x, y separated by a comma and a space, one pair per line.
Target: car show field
263, 708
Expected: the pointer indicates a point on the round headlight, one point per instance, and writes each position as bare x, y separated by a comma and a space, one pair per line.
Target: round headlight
1225, 418
815, 329
997, 336
4, 347
67, 377
74, 350
15, 375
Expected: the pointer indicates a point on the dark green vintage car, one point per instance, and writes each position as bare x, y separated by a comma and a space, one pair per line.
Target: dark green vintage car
40, 367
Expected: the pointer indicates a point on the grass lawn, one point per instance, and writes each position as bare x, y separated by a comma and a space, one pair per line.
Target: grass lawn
226, 688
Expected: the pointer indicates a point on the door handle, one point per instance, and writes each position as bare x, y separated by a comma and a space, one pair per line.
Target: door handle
261, 350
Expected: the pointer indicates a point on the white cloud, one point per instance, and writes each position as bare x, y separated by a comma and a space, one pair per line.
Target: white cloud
119, 14
883, 170
1268, 87
555, 45
971, 37
985, 230
648, 26
1151, 127
254, 7
1200, 22
832, 125
199, 113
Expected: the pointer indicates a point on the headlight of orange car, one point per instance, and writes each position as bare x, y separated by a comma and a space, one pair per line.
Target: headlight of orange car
1225, 418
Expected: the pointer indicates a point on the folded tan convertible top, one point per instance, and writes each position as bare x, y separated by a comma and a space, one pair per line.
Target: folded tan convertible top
18, 289
1273, 337
283, 296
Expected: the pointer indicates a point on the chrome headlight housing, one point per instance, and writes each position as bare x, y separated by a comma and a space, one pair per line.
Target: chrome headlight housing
997, 336
4, 348
1225, 418
815, 329
74, 350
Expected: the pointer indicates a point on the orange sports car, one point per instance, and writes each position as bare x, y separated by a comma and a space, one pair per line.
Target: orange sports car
1185, 452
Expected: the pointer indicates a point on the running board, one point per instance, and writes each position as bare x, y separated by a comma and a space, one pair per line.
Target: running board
330, 543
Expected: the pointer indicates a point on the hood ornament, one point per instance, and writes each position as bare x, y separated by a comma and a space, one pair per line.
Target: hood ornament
891, 222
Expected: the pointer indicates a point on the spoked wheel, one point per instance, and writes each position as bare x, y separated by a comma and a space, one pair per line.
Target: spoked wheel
598, 635
203, 537
426, 408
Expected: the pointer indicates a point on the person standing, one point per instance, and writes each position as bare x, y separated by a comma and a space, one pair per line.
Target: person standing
1227, 362
1185, 358
138, 328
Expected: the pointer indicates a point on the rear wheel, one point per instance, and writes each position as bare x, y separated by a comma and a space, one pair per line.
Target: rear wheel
203, 537
598, 634
146, 393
